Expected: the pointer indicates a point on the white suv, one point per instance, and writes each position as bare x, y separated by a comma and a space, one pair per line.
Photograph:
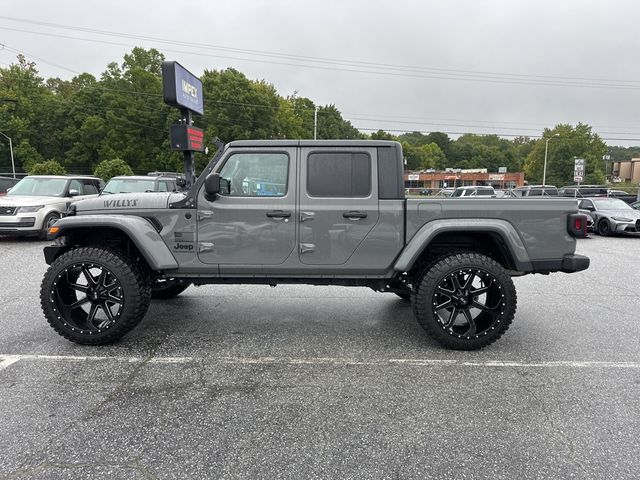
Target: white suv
36, 202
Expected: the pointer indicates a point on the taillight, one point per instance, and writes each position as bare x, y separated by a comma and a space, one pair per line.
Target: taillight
577, 225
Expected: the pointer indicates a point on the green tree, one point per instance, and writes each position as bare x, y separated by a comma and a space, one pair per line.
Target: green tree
382, 135
423, 156
108, 169
50, 167
571, 143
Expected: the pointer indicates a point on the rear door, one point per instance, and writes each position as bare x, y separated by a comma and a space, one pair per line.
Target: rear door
338, 202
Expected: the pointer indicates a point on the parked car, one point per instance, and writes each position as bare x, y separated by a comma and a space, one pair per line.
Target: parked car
624, 196
6, 183
476, 192
142, 183
583, 191
36, 202
444, 192
546, 191
611, 215
426, 191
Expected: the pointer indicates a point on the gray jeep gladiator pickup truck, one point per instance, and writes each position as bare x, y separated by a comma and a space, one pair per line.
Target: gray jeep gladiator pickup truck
305, 212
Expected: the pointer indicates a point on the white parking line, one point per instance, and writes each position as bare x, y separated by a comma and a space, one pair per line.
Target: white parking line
428, 362
7, 360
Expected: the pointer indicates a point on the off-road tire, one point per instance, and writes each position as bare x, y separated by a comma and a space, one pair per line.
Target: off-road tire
167, 289
132, 286
495, 320
604, 227
46, 223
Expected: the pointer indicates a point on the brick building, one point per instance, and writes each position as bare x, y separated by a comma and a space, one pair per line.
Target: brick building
461, 178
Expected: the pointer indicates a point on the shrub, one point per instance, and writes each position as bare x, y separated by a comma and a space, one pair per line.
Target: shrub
112, 168
50, 167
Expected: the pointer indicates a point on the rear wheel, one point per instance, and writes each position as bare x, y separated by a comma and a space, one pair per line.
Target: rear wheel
465, 301
94, 296
604, 228
167, 288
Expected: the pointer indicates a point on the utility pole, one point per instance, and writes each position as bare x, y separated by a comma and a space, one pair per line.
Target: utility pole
13, 165
546, 149
315, 123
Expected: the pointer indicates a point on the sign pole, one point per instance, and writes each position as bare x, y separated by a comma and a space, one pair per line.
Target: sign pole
188, 159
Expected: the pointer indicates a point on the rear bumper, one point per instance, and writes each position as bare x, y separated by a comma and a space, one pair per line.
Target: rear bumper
570, 263
574, 263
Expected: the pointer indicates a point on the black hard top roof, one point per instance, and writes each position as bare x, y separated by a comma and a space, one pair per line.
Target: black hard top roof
312, 143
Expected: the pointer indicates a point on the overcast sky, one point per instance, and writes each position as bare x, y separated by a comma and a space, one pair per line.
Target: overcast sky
486, 66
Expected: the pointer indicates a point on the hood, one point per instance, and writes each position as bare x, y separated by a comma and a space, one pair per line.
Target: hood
28, 200
626, 213
128, 201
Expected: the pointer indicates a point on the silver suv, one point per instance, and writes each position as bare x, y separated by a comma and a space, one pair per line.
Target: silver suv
36, 202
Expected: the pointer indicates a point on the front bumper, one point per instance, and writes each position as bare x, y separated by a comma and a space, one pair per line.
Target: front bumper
626, 227
21, 224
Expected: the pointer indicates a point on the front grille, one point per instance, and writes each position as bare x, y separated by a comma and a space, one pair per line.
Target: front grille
25, 223
5, 210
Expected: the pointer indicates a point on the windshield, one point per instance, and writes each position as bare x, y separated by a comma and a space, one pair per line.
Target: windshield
39, 186
129, 185
611, 204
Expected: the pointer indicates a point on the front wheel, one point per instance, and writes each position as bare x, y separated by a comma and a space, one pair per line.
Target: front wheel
465, 301
94, 296
604, 228
48, 222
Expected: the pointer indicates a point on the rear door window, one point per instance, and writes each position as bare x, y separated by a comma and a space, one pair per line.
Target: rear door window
339, 174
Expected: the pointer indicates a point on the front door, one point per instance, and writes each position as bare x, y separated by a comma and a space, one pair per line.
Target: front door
254, 224
338, 202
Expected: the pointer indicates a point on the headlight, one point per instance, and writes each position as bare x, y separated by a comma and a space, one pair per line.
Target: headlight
30, 209
622, 219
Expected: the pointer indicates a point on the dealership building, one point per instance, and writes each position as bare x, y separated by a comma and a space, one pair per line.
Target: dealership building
455, 177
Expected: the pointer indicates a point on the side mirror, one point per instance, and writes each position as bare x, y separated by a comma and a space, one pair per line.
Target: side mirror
8, 190
73, 192
214, 185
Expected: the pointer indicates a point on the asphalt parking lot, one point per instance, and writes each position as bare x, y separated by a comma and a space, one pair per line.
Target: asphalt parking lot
326, 382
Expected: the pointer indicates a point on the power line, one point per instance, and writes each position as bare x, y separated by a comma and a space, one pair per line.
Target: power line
474, 77
308, 58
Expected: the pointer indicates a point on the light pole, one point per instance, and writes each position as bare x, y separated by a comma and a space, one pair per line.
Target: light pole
546, 150
315, 123
13, 166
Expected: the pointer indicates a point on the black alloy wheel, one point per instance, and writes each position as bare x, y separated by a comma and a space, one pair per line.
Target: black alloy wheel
604, 228
88, 296
94, 296
465, 301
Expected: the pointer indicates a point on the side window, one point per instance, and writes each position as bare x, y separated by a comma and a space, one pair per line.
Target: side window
339, 174
162, 186
89, 187
535, 192
76, 185
256, 174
